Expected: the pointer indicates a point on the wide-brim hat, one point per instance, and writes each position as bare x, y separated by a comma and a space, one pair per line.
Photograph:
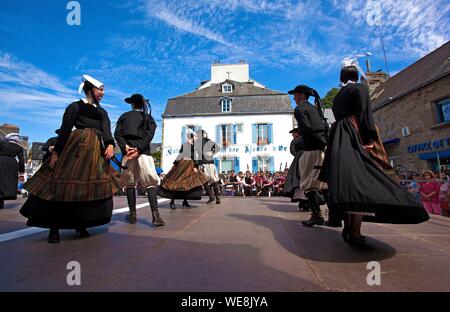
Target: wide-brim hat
301, 89
136, 98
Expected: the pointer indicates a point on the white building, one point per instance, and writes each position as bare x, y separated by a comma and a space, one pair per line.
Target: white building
250, 122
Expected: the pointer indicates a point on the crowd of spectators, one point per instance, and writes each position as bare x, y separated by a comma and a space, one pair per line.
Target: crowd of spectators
432, 189
252, 184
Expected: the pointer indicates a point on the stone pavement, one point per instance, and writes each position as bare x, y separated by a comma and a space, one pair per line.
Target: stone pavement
244, 244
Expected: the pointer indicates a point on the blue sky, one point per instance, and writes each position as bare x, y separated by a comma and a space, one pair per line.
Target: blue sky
165, 48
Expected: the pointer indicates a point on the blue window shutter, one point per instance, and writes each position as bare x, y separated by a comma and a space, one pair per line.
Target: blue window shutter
234, 133
270, 133
230, 134
183, 134
254, 164
272, 164
216, 163
218, 134
236, 164
254, 134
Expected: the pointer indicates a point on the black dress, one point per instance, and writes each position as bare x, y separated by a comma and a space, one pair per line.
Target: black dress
184, 180
10, 168
78, 191
356, 183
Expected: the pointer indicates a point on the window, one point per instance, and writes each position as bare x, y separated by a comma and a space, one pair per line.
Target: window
239, 128
263, 164
228, 164
226, 105
226, 134
262, 133
443, 108
227, 88
184, 130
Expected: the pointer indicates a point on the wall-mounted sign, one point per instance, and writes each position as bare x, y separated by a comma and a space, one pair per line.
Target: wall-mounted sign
429, 146
406, 132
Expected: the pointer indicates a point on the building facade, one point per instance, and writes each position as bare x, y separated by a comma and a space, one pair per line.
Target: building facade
250, 122
412, 111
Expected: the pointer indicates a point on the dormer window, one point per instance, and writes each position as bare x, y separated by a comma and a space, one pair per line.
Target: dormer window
226, 105
227, 88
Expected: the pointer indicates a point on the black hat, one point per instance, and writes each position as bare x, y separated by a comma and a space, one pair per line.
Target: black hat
301, 89
295, 130
136, 98
57, 131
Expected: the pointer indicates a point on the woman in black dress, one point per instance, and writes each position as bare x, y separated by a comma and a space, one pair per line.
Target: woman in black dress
358, 187
74, 189
184, 181
10, 149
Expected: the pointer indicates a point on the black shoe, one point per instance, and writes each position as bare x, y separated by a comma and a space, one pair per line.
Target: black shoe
210, 200
83, 233
314, 220
186, 204
53, 236
218, 201
172, 205
359, 243
131, 217
156, 219
2, 204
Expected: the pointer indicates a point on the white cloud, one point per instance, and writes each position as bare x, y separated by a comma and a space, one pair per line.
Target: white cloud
409, 26
30, 94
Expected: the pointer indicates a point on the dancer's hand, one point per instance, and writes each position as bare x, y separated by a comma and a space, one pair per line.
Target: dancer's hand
109, 152
131, 154
53, 160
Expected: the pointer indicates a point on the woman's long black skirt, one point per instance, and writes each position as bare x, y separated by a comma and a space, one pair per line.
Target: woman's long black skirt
67, 215
357, 184
78, 193
9, 177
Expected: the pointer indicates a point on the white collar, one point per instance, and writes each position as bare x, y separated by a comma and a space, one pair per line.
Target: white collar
85, 101
348, 82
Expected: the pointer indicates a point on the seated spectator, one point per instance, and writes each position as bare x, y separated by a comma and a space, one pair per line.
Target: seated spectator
249, 184
258, 183
266, 185
278, 184
234, 182
241, 183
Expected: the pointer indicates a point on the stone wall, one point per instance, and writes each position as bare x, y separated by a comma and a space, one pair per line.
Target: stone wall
417, 111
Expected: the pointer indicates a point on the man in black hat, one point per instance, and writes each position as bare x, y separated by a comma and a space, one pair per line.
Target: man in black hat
313, 130
134, 132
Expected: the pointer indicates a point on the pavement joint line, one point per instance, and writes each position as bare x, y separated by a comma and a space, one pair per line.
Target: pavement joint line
416, 237
5, 237
157, 246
